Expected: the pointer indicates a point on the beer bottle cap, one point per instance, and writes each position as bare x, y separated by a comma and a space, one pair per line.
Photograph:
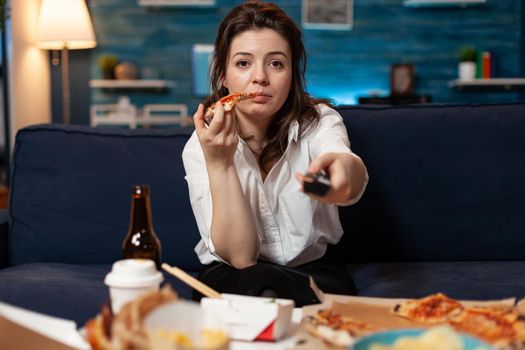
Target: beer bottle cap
140, 189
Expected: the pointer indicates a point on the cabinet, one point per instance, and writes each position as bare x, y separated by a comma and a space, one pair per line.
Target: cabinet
493, 84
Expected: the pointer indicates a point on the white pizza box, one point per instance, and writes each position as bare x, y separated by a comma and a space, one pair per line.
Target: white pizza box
251, 318
24, 329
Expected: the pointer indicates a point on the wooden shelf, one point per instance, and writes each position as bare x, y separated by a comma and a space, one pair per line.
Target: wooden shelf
158, 3
493, 84
131, 84
442, 3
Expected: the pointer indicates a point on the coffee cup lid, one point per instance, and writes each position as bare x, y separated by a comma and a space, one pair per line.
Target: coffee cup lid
133, 273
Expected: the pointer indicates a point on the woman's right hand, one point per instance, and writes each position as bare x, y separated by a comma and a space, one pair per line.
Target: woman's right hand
218, 140
235, 242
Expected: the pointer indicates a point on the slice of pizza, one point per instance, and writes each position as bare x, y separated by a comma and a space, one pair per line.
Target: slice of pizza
228, 102
499, 326
336, 329
435, 308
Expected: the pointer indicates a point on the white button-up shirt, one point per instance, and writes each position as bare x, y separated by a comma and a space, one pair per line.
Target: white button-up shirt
293, 229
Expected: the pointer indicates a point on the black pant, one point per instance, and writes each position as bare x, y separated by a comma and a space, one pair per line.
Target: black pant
268, 279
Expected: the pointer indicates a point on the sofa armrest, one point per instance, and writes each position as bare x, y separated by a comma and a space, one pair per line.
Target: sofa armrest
4, 229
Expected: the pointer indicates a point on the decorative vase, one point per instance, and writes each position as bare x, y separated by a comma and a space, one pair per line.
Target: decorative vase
126, 71
107, 64
108, 74
467, 70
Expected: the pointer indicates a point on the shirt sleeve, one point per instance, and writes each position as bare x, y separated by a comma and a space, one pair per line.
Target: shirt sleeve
331, 136
200, 197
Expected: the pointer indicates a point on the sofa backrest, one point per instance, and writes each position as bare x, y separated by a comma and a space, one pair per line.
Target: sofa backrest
446, 183
71, 193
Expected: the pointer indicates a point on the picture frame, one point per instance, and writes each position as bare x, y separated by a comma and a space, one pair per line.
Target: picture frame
201, 56
402, 79
327, 14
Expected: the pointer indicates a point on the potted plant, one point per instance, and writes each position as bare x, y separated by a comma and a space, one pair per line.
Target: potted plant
107, 64
467, 63
4, 13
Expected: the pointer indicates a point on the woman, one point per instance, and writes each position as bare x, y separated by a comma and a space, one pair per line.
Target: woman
260, 232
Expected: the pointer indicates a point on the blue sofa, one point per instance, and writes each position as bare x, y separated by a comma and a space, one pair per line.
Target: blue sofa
444, 209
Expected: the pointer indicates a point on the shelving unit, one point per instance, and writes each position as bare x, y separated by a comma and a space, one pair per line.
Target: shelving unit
125, 113
442, 3
131, 84
204, 3
493, 84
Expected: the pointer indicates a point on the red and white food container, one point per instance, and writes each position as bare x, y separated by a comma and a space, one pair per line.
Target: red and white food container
251, 318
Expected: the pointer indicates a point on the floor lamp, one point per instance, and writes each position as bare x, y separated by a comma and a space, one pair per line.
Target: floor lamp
65, 25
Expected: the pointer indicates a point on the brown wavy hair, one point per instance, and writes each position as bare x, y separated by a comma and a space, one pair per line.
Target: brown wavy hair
299, 106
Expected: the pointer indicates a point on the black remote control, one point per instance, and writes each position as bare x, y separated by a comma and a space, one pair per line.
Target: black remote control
316, 183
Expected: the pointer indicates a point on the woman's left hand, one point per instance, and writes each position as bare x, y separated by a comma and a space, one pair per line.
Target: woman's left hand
347, 176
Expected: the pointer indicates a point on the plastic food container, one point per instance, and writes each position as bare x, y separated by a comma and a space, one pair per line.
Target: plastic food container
183, 325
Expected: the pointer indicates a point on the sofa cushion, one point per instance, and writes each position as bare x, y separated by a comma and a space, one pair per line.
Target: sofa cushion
475, 280
71, 194
446, 184
73, 292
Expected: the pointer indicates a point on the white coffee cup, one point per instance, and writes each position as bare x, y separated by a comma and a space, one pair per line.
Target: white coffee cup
130, 278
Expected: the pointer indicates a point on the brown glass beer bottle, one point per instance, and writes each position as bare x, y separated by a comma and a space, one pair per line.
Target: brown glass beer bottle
141, 242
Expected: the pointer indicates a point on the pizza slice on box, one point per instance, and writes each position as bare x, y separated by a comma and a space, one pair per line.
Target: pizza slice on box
499, 326
435, 308
336, 329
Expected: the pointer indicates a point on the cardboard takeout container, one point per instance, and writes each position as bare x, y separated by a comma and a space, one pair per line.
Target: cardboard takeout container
252, 318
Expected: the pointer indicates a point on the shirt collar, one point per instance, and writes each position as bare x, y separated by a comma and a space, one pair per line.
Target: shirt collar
293, 133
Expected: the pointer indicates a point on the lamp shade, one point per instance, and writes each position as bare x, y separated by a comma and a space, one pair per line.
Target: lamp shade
65, 24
